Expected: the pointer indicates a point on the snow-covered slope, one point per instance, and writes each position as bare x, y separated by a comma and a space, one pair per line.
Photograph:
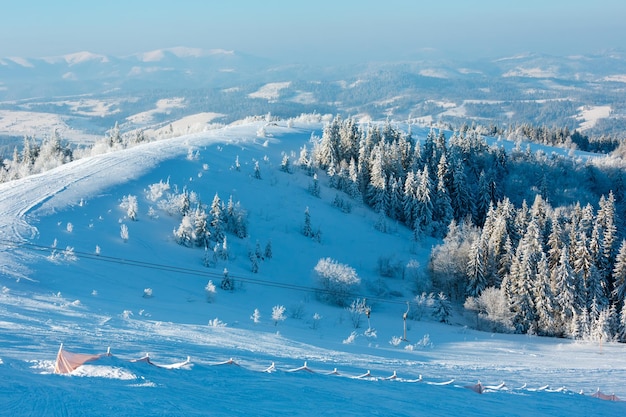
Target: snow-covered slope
68, 277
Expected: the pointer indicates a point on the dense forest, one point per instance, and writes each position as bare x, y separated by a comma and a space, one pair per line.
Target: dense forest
531, 242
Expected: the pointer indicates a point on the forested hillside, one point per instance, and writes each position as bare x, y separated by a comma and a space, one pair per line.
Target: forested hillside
532, 241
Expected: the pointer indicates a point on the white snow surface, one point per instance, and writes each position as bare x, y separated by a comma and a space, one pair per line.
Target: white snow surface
51, 295
589, 115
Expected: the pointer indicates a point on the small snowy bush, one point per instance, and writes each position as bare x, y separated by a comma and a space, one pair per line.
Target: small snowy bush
395, 340
147, 293
216, 323
350, 339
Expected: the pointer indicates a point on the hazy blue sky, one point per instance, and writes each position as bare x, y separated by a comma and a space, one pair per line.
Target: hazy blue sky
337, 30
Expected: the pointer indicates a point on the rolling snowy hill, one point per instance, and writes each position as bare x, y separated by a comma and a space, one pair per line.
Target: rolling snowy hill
70, 276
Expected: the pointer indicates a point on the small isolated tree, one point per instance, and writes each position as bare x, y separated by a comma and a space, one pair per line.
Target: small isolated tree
268, 250
285, 165
257, 170
306, 228
124, 232
356, 310
314, 187
256, 316
336, 281
316, 321
420, 304
69, 227
210, 291
278, 314
129, 203
227, 282
443, 308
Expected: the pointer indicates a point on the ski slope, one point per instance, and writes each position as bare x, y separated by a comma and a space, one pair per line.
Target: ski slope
91, 302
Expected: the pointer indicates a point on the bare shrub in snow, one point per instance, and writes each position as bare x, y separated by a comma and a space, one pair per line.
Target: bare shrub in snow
387, 267
395, 340
336, 281
421, 303
297, 311
69, 227
356, 310
147, 293
69, 255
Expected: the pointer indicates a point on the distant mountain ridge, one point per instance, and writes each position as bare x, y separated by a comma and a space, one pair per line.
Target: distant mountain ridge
530, 88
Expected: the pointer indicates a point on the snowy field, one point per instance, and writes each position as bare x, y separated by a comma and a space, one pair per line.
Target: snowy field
68, 277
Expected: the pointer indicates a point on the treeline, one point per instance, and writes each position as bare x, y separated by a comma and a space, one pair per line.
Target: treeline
52, 152
554, 271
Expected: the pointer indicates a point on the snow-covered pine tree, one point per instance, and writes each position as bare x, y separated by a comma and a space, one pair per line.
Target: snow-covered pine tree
423, 215
184, 234
200, 228
442, 308
619, 275
257, 170
476, 280
564, 280
268, 250
544, 301
314, 187
216, 218
307, 230
285, 165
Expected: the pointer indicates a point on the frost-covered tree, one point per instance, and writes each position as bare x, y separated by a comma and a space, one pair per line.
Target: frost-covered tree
442, 308
564, 280
619, 275
124, 232
335, 281
268, 250
278, 314
545, 304
307, 230
257, 170
201, 232
285, 165
216, 218
210, 291
184, 234
314, 187
129, 203
476, 279
423, 215
256, 316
